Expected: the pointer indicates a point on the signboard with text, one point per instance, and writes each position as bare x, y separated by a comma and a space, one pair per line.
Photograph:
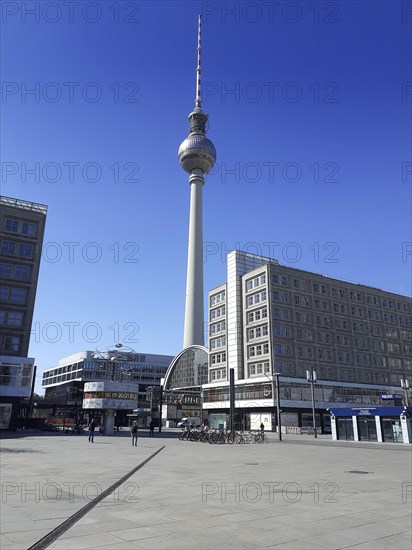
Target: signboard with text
110, 395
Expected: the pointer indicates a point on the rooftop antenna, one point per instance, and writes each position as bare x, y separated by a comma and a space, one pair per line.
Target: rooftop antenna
198, 69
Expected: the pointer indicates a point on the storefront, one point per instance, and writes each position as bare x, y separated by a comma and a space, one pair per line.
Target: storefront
382, 424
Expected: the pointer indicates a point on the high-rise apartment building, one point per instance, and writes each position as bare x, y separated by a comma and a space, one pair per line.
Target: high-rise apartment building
22, 226
269, 318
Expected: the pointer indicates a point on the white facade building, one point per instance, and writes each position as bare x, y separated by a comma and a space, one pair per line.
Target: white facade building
268, 318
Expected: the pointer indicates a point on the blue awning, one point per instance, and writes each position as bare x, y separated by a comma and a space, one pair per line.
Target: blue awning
370, 411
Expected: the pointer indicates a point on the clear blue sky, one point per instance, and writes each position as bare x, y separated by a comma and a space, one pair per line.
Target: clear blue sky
309, 110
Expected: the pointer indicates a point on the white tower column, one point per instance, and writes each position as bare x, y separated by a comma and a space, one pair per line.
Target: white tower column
197, 155
194, 318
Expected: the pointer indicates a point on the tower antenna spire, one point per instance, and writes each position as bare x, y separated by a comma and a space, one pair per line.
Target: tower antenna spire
198, 69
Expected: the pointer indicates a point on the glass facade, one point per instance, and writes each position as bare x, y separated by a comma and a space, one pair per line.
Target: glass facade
293, 391
189, 369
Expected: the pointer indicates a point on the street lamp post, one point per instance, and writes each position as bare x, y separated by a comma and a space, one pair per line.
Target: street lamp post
279, 422
312, 378
405, 387
201, 405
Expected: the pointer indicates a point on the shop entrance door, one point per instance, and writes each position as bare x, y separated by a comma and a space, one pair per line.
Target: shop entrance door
345, 428
392, 430
367, 429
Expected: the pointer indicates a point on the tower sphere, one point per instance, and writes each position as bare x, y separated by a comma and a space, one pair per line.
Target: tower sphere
197, 152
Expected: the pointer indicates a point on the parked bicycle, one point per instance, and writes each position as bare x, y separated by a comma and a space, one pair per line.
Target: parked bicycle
220, 437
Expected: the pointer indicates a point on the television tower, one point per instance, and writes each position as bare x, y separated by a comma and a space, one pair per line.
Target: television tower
197, 155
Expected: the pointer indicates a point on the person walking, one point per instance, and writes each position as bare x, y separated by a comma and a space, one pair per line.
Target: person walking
262, 428
92, 427
152, 427
134, 433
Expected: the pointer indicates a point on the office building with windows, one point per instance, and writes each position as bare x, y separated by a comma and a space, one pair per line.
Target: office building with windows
145, 368
64, 383
270, 318
22, 226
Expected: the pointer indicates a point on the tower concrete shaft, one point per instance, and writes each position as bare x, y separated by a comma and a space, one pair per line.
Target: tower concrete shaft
194, 314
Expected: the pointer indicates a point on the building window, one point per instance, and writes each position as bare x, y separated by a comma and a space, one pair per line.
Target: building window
338, 292
218, 327
217, 298
4, 293
15, 318
342, 340
282, 349
218, 343
372, 300
217, 358
302, 334
393, 348
356, 296
255, 282
256, 369
374, 315
257, 315
218, 312
258, 332
217, 374
5, 270
302, 300
18, 295
376, 330
25, 250
256, 298
259, 349
22, 272
11, 224
11, 343
283, 331
8, 248
29, 229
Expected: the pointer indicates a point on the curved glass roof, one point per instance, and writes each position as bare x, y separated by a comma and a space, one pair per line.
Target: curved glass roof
188, 369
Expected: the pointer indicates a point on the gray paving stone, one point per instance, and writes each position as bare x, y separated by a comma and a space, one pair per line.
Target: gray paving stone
168, 543
136, 533
100, 540
169, 509
20, 537
398, 542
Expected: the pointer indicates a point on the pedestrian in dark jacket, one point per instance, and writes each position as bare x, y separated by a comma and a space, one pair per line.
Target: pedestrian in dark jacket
92, 427
134, 433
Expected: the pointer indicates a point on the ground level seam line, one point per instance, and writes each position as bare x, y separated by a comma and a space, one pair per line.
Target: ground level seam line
48, 539
373, 540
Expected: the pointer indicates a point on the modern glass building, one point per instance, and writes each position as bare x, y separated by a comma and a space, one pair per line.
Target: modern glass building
74, 370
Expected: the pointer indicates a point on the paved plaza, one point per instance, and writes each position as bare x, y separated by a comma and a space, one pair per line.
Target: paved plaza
299, 494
